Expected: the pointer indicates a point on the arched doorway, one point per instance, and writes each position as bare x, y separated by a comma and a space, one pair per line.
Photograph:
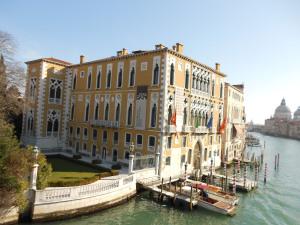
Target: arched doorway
197, 159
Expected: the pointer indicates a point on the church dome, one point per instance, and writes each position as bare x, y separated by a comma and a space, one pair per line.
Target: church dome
297, 114
282, 111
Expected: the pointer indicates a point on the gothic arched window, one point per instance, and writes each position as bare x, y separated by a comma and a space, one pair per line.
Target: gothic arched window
108, 79
74, 81
213, 88
153, 115
87, 111
98, 79
120, 78
106, 112
169, 114
132, 77
155, 74
55, 91
96, 113
221, 90
172, 71
72, 111
52, 123
187, 79
129, 115
117, 115
89, 81
184, 116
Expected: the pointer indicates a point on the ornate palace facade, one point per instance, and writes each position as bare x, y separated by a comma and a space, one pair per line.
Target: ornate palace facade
159, 100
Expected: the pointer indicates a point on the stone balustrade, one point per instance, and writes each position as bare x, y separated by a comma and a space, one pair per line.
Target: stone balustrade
105, 123
97, 188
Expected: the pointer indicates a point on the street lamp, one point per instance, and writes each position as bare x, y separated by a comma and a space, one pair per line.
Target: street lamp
131, 148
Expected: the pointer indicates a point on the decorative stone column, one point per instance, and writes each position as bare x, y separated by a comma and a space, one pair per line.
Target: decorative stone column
131, 157
33, 177
157, 154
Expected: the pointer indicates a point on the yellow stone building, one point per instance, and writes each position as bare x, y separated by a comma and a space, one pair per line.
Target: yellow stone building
233, 138
160, 100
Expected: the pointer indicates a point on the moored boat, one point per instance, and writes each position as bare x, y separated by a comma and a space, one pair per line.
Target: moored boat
216, 206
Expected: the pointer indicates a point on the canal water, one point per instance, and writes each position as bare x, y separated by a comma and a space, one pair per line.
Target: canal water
277, 202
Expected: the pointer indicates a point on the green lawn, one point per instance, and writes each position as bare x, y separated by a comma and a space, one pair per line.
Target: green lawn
69, 173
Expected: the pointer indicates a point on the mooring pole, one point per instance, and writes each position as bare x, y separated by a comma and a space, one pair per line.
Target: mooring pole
211, 171
225, 174
275, 161
238, 170
174, 199
191, 198
265, 175
278, 161
233, 181
170, 183
161, 188
245, 175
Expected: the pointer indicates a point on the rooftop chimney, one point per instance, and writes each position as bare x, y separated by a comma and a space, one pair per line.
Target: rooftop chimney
122, 52
179, 48
159, 46
82, 59
174, 47
218, 67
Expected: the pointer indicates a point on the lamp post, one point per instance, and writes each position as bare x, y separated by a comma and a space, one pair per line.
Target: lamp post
131, 157
35, 167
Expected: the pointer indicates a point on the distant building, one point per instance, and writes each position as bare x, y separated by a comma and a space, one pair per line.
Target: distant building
282, 123
233, 138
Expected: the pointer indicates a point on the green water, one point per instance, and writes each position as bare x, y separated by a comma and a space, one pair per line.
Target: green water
277, 202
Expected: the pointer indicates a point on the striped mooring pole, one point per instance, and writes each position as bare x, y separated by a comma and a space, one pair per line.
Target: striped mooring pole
234, 181
245, 175
225, 174
238, 169
265, 175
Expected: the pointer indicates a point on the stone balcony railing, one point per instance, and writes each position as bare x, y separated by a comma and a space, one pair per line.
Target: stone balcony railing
188, 129
170, 129
105, 123
201, 130
198, 92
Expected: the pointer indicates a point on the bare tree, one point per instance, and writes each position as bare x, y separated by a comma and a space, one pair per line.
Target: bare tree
12, 80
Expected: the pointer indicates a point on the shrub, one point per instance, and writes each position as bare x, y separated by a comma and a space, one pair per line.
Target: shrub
64, 183
114, 172
104, 174
76, 156
116, 166
96, 161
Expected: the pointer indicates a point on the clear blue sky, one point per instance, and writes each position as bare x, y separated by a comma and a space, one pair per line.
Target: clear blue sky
257, 42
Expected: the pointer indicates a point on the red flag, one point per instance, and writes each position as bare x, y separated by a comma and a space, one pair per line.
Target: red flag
223, 125
173, 118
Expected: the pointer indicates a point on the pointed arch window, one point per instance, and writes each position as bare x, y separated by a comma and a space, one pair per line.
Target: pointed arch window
89, 81
87, 111
120, 78
55, 91
98, 80
221, 90
74, 82
207, 85
213, 88
30, 122
132, 77
184, 116
172, 71
129, 115
117, 115
52, 123
187, 79
106, 112
108, 79
153, 115
72, 111
96, 113
194, 81
169, 114
155, 74
32, 87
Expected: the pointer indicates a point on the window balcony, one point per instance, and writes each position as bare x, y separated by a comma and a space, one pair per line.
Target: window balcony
55, 100
198, 92
187, 129
105, 123
201, 130
170, 129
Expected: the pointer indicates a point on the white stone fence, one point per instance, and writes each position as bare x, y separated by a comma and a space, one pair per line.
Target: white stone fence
101, 187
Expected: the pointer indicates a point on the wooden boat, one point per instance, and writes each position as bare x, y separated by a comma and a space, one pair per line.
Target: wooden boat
216, 206
216, 193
